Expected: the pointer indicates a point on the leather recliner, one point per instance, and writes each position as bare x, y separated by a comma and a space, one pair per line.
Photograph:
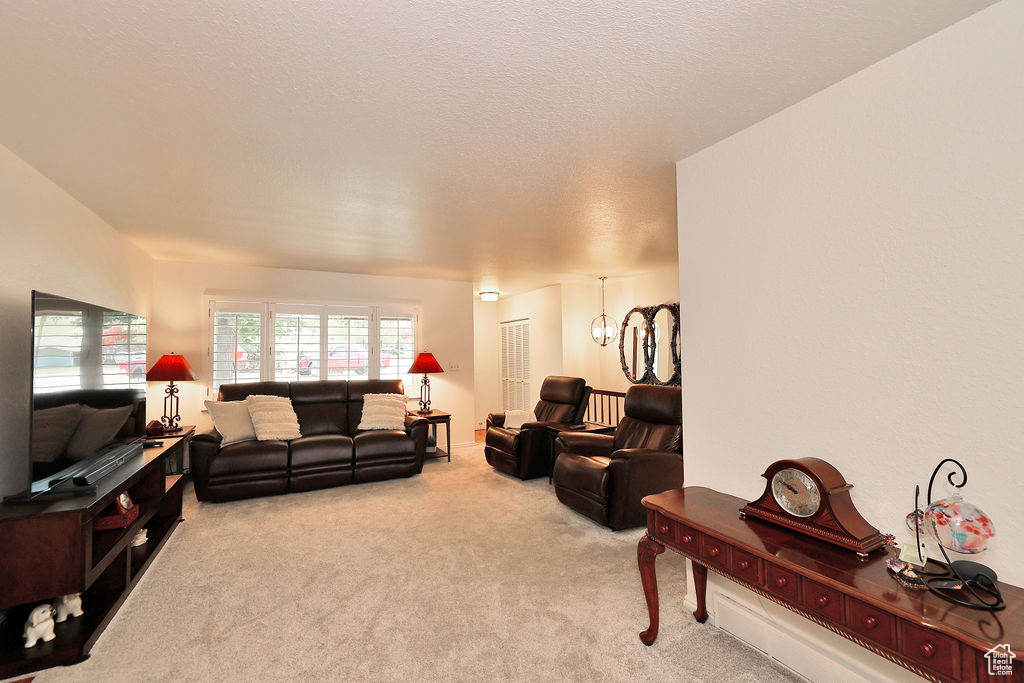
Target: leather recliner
605, 476
526, 452
331, 450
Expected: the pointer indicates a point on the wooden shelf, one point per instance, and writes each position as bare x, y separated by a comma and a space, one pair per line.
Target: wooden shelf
60, 553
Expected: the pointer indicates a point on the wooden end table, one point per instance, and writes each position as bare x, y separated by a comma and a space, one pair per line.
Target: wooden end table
854, 597
436, 417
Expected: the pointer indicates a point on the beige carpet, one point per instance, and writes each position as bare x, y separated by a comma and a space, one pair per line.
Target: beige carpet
458, 574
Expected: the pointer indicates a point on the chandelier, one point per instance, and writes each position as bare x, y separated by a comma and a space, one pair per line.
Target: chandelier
603, 328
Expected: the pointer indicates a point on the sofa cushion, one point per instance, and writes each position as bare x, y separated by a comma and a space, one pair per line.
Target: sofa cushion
273, 417
250, 456
232, 420
96, 429
52, 429
358, 388
515, 419
383, 411
320, 449
383, 444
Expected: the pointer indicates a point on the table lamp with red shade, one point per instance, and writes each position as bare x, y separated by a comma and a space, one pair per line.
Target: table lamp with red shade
427, 364
171, 368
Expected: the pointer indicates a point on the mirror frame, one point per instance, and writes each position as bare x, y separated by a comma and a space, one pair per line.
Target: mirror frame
649, 376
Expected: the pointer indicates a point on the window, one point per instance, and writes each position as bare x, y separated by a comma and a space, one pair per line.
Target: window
123, 344
310, 342
236, 343
515, 364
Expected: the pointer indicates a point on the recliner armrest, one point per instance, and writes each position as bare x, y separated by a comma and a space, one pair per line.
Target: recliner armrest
646, 454
495, 419
211, 436
591, 445
542, 425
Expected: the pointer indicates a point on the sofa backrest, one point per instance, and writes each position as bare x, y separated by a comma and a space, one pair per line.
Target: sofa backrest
357, 388
562, 399
654, 418
321, 406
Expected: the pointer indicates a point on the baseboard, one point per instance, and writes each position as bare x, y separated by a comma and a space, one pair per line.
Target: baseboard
805, 648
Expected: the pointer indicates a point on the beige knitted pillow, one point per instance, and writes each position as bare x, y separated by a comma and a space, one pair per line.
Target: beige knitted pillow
383, 411
273, 417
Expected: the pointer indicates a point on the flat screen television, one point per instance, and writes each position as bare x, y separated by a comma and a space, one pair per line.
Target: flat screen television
88, 382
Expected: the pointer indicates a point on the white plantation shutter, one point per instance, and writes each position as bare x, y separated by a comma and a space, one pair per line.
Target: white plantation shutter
254, 341
123, 341
297, 339
515, 364
398, 348
236, 348
348, 343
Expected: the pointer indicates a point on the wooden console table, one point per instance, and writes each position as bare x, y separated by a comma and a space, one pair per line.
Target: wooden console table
50, 548
436, 417
856, 598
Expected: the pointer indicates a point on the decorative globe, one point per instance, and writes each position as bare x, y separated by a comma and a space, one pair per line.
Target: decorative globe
959, 526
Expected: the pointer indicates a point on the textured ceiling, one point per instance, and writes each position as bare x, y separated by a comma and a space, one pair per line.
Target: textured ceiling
514, 144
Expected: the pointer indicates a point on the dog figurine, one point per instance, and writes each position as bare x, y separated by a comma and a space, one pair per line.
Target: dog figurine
39, 625
69, 605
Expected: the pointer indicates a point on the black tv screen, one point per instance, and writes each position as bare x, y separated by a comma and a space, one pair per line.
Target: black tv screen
88, 384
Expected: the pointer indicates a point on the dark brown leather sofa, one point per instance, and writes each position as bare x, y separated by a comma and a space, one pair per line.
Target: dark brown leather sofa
330, 452
525, 452
605, 476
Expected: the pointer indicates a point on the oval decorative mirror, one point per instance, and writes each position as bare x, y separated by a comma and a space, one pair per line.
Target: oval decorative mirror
649, 345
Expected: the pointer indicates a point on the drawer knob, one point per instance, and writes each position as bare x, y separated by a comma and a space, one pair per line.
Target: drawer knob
663, 529
927, 649
714, 552
822, 600
870, 622
687, 538
744, 564
781, 582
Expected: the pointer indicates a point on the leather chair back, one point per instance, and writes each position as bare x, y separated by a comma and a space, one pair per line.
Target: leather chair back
653, 419
562, 399
357, 388
321, 406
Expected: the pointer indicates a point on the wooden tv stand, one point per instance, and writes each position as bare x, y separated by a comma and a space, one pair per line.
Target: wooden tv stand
856, 598
50, 549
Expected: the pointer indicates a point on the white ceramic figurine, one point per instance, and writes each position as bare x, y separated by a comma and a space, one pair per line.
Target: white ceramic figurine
39, 625
69, 605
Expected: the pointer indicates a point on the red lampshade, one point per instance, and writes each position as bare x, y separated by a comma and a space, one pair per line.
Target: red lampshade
425, 363
171, 368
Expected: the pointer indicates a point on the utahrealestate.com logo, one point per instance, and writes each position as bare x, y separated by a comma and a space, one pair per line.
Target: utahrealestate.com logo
1000, 660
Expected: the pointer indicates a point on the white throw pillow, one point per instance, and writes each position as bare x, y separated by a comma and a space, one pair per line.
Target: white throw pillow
231, 418
52, 429
515, 419
273, 418
383, 411
97, 428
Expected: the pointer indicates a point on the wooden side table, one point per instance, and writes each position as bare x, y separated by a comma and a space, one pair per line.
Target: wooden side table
176, 465
436, 417
856, 598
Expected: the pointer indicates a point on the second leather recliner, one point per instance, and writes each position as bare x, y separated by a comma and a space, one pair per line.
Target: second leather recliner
526, 452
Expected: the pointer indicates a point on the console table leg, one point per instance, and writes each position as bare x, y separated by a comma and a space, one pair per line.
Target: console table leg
646, 551
700, 586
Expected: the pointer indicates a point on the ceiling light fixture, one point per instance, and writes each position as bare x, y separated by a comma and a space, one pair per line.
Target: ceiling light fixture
603, 329
488, 296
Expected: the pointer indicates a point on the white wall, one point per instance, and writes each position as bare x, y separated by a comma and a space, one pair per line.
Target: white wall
446, 321
486, 362
544, 309
852, 283
54, 244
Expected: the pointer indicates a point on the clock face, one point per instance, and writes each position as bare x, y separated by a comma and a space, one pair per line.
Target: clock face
795, 492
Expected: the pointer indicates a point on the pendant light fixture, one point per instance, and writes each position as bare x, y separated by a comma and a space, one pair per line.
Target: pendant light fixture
603, 329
